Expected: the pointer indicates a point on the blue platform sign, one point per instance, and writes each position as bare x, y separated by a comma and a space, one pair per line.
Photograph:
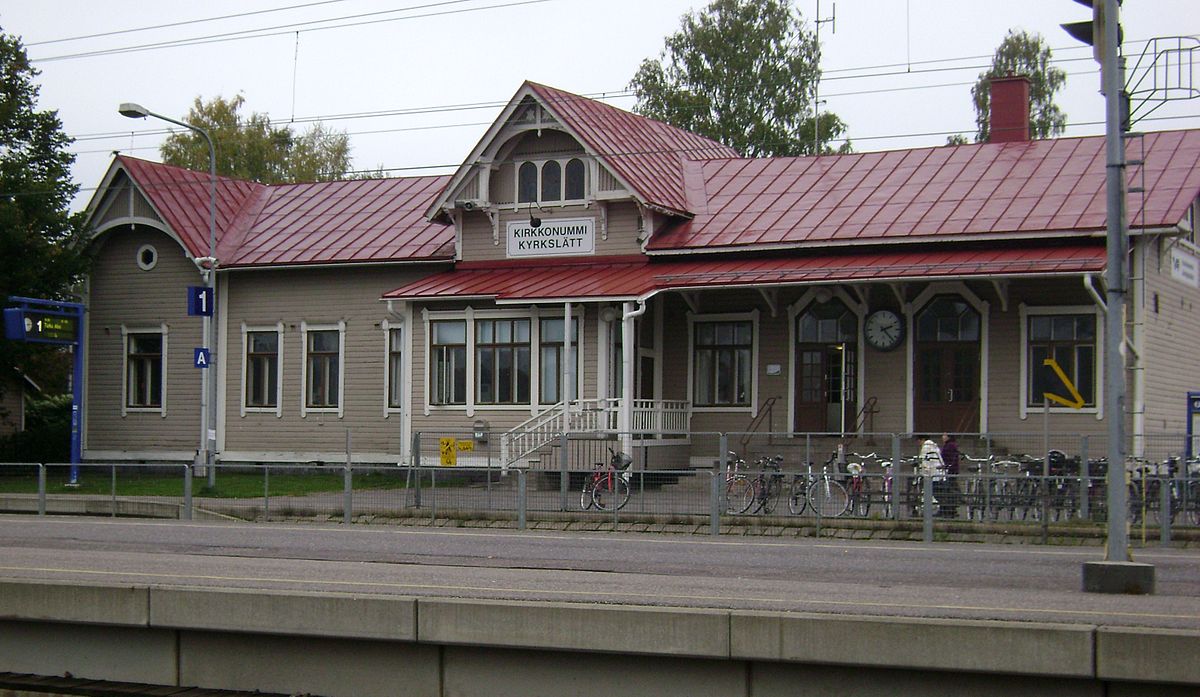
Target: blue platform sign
200, 301
1193, 425
53, 322
202, 358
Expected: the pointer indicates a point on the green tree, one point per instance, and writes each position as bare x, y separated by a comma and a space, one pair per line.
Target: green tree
741, 72
251, 148
1023, 54
42, 244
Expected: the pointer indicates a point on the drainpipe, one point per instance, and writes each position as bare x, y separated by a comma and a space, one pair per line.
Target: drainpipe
628, 355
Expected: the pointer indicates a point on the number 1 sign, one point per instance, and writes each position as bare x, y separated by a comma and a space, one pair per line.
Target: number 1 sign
200, 301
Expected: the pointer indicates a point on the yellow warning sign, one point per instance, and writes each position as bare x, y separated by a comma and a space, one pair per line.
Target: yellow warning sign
466, 446
1076, 400
449, 450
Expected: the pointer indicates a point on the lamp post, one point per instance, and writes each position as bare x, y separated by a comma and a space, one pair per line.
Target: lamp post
207, 266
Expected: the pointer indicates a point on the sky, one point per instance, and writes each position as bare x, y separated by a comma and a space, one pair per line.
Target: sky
415, 83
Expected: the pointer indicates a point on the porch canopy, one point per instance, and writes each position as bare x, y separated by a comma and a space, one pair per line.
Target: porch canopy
634, 278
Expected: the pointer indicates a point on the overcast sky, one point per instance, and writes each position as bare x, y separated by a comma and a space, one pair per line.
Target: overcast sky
416, 82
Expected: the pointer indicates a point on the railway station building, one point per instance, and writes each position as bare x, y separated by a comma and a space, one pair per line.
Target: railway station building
591, 269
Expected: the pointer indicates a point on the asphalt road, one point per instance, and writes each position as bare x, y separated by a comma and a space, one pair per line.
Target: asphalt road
1005, 582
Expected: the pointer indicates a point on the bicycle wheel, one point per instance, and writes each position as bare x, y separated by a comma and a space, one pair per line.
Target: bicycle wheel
798, 495
585, 496
739, 494
770, 497
828, 498
1191, 503
610, 492
860, 500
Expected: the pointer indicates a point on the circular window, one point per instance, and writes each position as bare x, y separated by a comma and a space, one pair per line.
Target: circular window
147, 257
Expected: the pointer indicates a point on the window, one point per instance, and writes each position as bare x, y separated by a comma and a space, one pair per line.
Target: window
544, 182
147, 257
448, 362
322, 368
502, 361
144, 370
396, 386
1071, 341
552, 347
262, 369
723, 368
948, 318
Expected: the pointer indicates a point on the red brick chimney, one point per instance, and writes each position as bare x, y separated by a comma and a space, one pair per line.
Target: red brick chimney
1009, 121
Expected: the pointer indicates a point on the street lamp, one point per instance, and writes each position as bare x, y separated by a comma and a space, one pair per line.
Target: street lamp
207, 265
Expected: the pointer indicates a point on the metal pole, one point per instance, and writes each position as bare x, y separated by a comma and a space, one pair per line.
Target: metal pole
521, 502
348, 486
42, 488
187, 492
1085, 480
927, 509
1112, 79
563, 475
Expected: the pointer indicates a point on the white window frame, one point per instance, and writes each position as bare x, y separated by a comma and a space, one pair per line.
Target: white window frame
470, 315
693, 320
388, 326
162, 329
305, 328
1025, 312
246, 330
588, 177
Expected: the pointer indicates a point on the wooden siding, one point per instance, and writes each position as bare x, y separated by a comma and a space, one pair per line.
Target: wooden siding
478, 245
1171, 313
316, 297
120, 293
122, 201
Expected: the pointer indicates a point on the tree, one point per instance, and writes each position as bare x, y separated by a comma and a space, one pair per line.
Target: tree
42, 245
1023, 54
740, 72
251, 148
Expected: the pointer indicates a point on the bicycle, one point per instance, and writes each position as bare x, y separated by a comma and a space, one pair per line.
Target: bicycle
825, 496
767, 487
739, 492
608, 486
858, 486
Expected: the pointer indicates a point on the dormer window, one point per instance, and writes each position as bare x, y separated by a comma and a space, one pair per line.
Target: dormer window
544, 181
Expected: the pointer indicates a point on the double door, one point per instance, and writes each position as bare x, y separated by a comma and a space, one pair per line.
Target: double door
826, 388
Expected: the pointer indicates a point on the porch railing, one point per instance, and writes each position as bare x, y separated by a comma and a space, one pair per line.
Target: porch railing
653, 417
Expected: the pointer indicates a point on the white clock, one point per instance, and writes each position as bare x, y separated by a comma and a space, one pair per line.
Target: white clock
883, 330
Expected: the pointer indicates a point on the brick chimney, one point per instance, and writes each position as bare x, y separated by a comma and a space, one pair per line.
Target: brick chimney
1009, 122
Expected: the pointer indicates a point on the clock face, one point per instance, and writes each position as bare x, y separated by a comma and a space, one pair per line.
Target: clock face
884, 330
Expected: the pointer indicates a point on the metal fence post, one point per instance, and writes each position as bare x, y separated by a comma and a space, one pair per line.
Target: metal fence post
187, 491
1085, 479
348, 486
563, 475
414, 469
266, 493
113, 468
927, 508
41, 488
1164, 509
521, 501
897, 478
720, 471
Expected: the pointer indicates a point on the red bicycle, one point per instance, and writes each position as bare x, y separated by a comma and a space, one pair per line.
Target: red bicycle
608, 486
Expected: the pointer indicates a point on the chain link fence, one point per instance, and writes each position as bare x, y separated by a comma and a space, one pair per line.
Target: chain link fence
719, 482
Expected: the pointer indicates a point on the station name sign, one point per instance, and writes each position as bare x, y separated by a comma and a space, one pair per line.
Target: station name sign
1185, 268
561, 237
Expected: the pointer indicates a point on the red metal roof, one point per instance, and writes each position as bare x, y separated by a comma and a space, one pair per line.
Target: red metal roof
632, 277
647, 154
371, 220
970, 191
181, 197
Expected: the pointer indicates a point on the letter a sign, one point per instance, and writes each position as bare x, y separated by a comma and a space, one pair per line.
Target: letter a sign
203, 357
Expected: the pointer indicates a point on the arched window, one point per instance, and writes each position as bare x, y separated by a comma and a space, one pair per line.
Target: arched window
576, 180
527, 188
948, 318
552, 181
